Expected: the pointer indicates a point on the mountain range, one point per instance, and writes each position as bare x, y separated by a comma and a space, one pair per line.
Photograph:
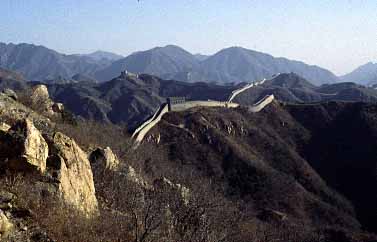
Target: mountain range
102, 55
130, 99
292, 88
230, 65
40, 63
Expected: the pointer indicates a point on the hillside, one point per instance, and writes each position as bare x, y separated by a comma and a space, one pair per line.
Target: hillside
12, 80
131, 100
127, 99
292, 88
365, 74
293, 161
226, 174
342, 145
38, 63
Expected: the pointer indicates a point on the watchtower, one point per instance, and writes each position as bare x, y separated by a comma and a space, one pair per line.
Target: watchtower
125, 74
175, 100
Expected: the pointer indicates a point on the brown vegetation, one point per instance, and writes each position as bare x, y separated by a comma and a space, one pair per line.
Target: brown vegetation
244, 173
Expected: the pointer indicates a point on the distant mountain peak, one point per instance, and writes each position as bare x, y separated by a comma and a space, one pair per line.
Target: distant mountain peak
172, 46
365, 74
243, 65
100, 54
170, 49
166, 62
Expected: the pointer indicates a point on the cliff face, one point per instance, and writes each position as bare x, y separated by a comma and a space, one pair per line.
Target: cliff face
73, 172
297, 160
47, 165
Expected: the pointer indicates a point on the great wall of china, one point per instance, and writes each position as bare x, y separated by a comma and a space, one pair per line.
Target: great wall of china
178, 105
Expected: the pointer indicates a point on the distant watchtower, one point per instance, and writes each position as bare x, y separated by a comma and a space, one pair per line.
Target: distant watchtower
125, 74
174, 100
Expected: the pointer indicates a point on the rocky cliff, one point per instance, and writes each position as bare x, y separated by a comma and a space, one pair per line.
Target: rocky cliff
48, 164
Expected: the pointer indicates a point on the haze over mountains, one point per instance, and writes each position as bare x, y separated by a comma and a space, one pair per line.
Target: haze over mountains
230, 65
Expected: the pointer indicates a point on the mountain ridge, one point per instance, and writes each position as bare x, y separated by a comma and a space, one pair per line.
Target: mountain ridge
365, 74
229, 65
100, 54
38, 63
233, 64
260, 65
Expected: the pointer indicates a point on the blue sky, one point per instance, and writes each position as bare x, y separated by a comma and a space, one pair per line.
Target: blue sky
336, 34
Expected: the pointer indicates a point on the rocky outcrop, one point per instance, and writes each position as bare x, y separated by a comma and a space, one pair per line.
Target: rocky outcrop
72, 169
10, 93
104, 159
55, 165
5, 225
24, 147
12, 110
40, 99
40, 95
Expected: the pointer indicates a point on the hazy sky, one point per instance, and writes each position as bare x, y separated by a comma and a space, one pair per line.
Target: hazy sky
336, 34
